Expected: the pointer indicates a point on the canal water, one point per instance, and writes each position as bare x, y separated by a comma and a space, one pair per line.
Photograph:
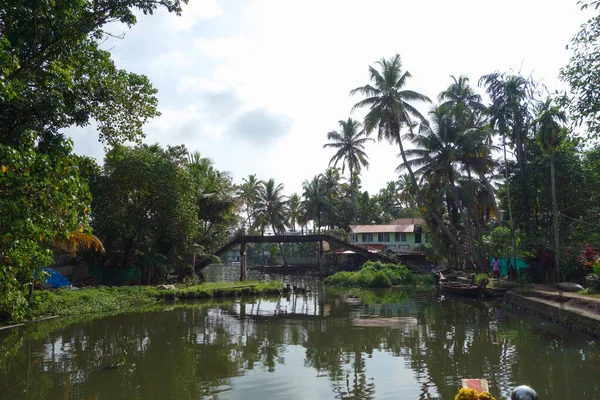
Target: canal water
392, 344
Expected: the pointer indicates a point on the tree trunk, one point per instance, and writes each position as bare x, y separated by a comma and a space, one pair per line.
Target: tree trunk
421, 197
512, 226
481, 259
555, 214
519, 141
352, 190
280, 247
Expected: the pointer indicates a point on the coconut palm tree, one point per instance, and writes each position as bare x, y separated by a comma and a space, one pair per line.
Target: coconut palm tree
350, 143
406, 191
316, 200
460, 92
511, 113
294, 209
549, 125
271, 207
249, 191
390, 110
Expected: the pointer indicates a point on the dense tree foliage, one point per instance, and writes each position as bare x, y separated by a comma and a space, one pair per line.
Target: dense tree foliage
583, 73
144, 208
53, 75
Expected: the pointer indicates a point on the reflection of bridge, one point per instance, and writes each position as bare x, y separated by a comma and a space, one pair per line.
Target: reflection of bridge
242, 240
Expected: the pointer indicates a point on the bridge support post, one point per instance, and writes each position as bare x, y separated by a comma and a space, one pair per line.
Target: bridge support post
319, 255
243, 269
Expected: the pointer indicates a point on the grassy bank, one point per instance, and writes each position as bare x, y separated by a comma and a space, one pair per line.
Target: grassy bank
374, 274
105, 300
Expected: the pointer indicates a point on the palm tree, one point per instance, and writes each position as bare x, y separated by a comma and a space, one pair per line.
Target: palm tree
294, 209
271, 207
249, 192
549, 125
512, 97
406, 191
460, 92
316, 200
390, 110
350, 144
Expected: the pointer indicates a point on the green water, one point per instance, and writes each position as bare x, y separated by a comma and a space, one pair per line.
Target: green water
321, 345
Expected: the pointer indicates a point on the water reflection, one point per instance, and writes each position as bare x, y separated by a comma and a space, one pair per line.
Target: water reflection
390, 344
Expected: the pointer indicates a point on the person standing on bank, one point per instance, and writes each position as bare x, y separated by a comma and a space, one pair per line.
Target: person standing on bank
496, 268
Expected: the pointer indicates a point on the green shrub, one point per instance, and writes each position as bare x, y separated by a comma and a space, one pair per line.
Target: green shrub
376, 274
593, 283
380, 279
480, 277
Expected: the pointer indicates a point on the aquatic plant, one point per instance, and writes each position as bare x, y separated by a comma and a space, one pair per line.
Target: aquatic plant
376, 274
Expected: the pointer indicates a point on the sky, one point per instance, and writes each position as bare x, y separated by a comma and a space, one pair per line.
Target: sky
255, 85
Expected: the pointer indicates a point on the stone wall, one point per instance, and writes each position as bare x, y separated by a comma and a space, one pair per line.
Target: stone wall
556, 311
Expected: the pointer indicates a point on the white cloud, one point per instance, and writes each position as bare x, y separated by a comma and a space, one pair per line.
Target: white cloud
194, 84
233, 48
299, 59
194, 11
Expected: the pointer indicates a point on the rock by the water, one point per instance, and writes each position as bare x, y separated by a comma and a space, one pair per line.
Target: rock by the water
523, 392
569, 286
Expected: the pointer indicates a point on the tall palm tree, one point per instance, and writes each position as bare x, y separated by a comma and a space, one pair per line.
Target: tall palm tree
390, 110
350, 144
294, 209
249, 191
316, 200
549, 124
460, 92
271, 206
406, 191
510, 113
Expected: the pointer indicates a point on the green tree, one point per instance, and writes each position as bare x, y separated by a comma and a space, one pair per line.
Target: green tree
54, 75
294, 206
45, 197
549, 125
350, 144
316, 200
249, 192
271, 207
583, 73
145, 204
389, 111
216, 200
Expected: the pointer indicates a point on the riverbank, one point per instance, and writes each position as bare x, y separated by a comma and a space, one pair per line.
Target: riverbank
107, 300
575, 311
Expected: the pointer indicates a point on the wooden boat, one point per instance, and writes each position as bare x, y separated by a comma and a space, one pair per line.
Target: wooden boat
464, 289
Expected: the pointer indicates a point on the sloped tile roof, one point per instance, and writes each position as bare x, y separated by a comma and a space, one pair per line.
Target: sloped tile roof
382, 228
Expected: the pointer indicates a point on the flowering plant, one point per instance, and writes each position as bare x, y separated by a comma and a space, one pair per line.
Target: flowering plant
471, 394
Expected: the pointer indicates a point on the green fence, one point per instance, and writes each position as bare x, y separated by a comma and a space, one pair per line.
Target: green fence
116, 276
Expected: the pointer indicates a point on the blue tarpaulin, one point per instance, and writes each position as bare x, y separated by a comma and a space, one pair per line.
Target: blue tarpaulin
53, 278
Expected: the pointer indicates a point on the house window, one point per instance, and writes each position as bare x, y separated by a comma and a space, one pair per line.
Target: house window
417, 238
397, 237
367, 237
383, 237
403, 236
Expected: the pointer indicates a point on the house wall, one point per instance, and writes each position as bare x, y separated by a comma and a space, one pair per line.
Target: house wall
393, 245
